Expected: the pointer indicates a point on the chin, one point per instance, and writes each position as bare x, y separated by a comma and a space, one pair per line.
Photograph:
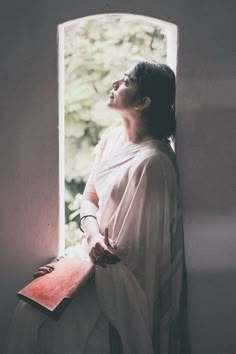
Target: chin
110, 103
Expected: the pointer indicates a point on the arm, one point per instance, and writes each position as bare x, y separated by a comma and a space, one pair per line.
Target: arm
101, 250
89, 206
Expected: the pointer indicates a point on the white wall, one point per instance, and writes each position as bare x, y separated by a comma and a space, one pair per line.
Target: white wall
206, 149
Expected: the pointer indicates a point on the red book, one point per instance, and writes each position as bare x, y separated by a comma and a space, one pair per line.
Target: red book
53, 291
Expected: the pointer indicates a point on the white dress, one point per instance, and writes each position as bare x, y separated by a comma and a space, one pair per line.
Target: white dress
139, 201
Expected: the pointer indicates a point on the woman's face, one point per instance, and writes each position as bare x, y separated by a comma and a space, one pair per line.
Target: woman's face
123, 95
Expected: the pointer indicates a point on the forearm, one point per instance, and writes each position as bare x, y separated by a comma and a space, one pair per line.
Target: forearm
89, 224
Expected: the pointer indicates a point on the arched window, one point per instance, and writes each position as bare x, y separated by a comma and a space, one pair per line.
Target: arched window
93, 51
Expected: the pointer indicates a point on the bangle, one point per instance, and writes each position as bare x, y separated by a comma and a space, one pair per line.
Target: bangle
83, 217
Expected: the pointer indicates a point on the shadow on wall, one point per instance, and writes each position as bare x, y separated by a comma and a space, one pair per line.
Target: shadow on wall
214, 294
210, 138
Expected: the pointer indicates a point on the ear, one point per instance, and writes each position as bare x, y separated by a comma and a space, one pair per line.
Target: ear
144, 104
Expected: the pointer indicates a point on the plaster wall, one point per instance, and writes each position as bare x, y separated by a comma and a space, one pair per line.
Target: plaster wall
205, 148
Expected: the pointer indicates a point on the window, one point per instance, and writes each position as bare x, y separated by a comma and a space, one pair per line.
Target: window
93, 51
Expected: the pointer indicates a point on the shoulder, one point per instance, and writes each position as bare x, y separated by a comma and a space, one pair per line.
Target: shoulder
149, 163
155, 166
160, 155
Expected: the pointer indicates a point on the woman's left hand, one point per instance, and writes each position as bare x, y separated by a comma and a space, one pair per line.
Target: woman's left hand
47, 268
102, 251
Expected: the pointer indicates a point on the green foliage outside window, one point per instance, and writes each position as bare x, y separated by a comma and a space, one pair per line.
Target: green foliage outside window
98, 50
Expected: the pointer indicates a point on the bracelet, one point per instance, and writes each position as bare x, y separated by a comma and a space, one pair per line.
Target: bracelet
83, 217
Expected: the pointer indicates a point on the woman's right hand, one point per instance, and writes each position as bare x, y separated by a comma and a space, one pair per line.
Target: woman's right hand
102, 250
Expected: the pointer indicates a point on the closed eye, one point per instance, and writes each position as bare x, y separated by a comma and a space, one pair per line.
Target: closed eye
117, 83
126, 81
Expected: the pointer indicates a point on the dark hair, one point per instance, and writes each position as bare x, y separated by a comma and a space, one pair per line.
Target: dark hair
157, 81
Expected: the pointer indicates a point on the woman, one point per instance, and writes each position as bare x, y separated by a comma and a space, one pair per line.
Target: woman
131, 215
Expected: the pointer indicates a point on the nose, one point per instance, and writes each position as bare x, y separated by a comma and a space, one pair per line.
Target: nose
116, 85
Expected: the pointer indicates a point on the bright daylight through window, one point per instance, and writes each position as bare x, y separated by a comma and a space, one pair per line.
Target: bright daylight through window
93, 52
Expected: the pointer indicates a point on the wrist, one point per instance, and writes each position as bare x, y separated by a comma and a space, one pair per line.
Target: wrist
94, 238
83, 218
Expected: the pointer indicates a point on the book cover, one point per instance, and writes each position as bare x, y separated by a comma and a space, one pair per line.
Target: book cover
52, 292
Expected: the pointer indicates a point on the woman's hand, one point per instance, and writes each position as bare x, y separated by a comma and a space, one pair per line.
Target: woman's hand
102, 250
47, 268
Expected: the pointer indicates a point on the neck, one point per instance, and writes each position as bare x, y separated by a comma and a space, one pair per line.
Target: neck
135, 130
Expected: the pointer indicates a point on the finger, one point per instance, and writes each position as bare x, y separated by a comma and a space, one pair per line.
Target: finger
46, 268
106, 235
93, 257
44, 271
50, 266
39, 274
108, 241
94, 253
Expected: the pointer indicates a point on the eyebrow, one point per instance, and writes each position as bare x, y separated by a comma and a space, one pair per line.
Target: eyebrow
129, 76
